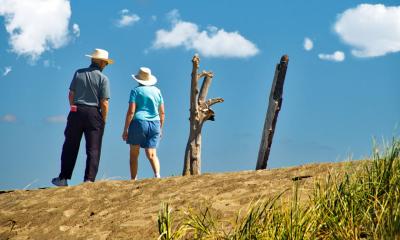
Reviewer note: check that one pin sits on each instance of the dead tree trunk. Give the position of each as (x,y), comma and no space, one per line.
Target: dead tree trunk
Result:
(200,111)
(274,106)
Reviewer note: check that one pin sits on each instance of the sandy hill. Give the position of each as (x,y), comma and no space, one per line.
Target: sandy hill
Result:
(129,209)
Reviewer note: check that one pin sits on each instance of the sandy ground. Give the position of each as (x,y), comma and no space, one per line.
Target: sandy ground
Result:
(128,209)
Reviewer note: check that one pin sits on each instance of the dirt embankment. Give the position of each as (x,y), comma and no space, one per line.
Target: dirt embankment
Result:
(128,209)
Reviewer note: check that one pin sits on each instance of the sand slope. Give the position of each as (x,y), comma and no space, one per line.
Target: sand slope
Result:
(128,209)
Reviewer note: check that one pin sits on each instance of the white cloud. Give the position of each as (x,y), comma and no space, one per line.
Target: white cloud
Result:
(50,64)
(154,18)
(181,34)
(337,56)
(57,119)
(8,118)
(46,63)
(7,70)
(76,30)
(36,26)
(224,44)
(372,30)
(308,44)
(212,29)
(173,16)
(211,43)
(127,19)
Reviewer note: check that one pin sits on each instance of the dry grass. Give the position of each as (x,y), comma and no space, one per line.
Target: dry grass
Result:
(345,205)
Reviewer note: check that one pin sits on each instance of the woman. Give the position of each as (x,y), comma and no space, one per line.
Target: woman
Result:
(144,121)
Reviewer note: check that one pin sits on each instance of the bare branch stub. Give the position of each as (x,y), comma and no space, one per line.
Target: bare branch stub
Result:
(208,76)
(202,74)
(196,61)
(213,101)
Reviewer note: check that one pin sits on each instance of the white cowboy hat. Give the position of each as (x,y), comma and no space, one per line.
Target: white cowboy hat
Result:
(100,54)
(144,77)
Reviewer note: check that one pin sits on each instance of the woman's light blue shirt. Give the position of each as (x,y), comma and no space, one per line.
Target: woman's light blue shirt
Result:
(147,99)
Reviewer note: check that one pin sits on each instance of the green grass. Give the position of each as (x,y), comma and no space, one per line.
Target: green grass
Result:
(165,228)
(361,204)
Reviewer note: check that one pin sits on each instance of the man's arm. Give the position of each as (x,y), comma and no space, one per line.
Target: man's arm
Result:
(71,95)
(104,108)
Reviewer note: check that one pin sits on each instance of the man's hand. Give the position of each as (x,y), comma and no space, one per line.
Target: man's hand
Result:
(71,95)
(104,109)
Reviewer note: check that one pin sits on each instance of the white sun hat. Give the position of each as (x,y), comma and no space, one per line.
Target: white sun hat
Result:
(100,54)
(144,77)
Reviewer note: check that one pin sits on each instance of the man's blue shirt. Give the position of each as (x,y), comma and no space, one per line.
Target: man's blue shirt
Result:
(90,85)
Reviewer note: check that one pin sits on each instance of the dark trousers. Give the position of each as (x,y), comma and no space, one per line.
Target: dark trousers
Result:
(86,120)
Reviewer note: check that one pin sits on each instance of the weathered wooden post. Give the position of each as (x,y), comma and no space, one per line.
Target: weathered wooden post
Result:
(200,112)
(274,106)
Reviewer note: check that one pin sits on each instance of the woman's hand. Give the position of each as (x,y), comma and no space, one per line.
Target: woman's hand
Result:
(128,119)
(125,135)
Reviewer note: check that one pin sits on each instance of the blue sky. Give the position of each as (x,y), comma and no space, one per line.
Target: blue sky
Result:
(341,89)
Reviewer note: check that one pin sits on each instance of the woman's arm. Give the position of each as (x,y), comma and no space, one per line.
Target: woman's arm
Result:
(129,116)
(161,111)
(162,114)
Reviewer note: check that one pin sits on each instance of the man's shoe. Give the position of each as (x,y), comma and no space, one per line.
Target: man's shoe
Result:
(59,182)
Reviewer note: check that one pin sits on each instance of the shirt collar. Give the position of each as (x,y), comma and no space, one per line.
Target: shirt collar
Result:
(94,65)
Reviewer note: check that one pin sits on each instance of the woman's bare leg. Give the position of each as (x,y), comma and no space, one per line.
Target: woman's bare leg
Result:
(151,154)
(133,157)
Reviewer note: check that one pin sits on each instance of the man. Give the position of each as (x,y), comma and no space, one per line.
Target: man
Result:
(88,98)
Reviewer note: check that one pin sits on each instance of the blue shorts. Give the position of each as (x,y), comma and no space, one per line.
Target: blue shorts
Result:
(144,133)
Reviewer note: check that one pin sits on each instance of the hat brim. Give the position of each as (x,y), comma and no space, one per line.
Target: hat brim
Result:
(109,61)
(151,81)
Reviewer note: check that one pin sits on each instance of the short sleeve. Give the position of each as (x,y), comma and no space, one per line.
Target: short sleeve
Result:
(161,99)
(132,97)
(105,89)
(72,86)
